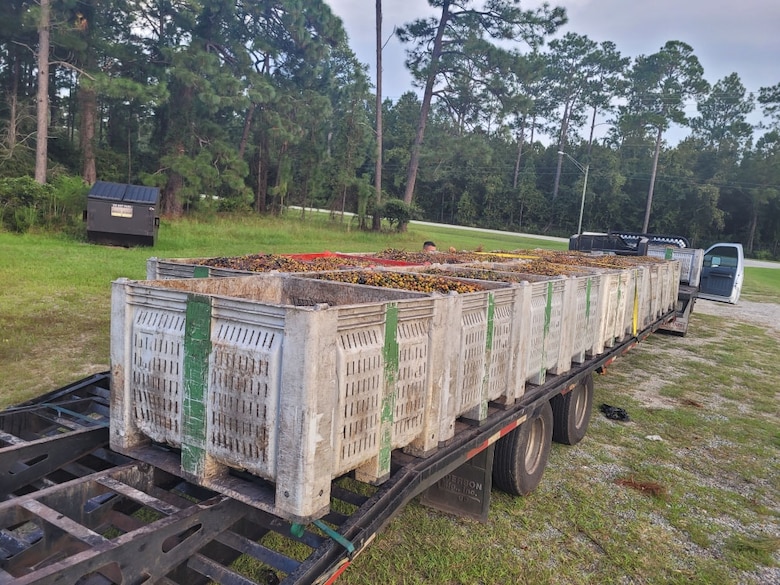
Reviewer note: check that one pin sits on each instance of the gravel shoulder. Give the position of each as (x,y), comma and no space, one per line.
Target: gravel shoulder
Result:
(765,315)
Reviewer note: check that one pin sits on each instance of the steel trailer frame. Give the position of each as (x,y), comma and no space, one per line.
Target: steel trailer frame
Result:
(73,511)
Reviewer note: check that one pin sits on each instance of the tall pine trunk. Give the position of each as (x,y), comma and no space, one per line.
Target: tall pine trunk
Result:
(88,109)
(752,229)
(376,223)
(42,100)
(414,159)
(13,103)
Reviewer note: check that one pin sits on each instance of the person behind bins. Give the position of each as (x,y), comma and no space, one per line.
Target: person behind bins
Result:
(429,246)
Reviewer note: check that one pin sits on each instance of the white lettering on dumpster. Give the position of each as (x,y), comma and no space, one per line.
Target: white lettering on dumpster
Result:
(118,210)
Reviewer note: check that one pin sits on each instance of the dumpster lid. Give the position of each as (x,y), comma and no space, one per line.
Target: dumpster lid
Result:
(124,192)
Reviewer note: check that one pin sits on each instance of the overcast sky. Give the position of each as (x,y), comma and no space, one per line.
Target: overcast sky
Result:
(727,36)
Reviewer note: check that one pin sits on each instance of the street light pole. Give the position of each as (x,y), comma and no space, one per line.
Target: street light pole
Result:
(582,201)
(585,170)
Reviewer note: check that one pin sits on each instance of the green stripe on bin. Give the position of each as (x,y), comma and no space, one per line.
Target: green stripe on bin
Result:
(548,309)
(391,358)
(200,272)
(197,348)
(491,311)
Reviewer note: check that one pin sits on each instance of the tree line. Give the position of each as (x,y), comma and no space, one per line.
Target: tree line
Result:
(253,106)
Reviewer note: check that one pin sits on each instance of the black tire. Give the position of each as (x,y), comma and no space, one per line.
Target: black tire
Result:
(521,456)
(571,412)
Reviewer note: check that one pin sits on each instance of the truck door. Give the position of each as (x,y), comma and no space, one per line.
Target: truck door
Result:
(722,273)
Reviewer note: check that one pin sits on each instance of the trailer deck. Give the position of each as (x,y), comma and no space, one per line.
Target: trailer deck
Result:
(74,511)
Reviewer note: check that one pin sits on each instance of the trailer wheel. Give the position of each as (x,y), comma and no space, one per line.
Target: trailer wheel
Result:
(521,456)
(571,412)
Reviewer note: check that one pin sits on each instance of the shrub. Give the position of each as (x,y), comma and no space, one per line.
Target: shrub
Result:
(22,202)
(399,213)
(25,204)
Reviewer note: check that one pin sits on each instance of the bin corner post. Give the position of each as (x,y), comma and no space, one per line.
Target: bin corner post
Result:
(152,271)
(602,330)
(436,384)
(124,434)
(480,410)
(587,316)
(307,403)
(523,322)
(538,377)
(568,327)
(452,306)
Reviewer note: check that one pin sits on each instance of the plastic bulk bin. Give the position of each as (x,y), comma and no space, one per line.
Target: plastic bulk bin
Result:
(482,351)
(480,332)
(158,269)
(674,280)
(293,380)
(609,300)
(586,325)
(488,271)
(690,260)
(663,288)
(544,328)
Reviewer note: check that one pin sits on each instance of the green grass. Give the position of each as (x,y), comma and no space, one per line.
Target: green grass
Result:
(761,284)
(711,396)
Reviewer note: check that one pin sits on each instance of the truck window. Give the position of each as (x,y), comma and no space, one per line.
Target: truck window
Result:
(721,256)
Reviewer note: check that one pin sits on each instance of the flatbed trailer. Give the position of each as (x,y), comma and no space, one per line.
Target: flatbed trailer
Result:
(74,511)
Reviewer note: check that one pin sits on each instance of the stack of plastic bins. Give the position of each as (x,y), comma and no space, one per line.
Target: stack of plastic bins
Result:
(615,302)
(611,304)
(559,315)
(478,338)
(293,380)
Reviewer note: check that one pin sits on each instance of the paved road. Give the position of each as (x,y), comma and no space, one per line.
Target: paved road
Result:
(761,264)
(487,231)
